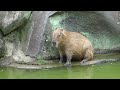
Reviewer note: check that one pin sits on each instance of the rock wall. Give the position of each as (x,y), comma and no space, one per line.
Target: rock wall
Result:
(26,35)
(10,23)
(23,34)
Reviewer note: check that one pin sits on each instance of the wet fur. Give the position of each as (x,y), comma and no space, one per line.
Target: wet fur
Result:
(72,44)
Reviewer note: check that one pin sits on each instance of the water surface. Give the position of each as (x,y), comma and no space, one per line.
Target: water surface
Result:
(102,71)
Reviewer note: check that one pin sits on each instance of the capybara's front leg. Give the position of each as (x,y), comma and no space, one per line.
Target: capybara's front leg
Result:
(69,57)
(68,61)
(61,57)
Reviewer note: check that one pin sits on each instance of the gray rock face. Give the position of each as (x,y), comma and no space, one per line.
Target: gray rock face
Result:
(2,48)
(11,20)
(32,34)
(39,21)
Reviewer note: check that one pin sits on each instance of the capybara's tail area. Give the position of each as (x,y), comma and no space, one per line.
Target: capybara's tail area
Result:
(89,54)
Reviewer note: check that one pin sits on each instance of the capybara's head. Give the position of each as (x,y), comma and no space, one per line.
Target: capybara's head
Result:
(57,36)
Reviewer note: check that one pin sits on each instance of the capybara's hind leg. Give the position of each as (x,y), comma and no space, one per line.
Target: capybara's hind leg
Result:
(84,60)
(69,57)
(88,56)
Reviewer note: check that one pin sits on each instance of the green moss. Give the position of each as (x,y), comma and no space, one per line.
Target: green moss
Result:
(22,34)
(27,14)
(42,61)
(57,18)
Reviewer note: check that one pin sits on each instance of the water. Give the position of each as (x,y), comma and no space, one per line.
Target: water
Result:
(102,71)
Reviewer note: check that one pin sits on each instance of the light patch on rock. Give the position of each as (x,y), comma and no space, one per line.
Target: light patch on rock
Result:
(17,55)
(9,48)
(1,43)
(20,56)
(10,17)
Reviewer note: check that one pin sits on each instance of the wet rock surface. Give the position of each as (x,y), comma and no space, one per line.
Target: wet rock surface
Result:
(98,59)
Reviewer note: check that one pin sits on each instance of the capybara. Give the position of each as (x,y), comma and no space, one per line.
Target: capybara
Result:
(72,44)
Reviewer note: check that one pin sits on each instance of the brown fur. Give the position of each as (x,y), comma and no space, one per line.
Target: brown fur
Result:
(72,44)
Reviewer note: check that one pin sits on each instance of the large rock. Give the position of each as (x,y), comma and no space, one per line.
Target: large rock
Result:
(11,20)
(33,35)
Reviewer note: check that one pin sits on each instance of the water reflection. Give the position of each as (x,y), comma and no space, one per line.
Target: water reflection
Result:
(80,72)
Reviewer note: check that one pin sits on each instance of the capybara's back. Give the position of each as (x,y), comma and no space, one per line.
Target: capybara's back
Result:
(72,44)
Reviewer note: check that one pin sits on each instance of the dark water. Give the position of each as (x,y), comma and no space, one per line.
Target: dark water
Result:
(102,71)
